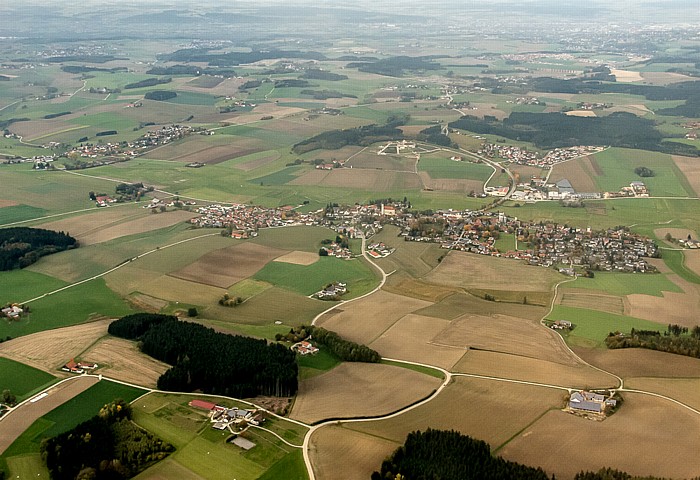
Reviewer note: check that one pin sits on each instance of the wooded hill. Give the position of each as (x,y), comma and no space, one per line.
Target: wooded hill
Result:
(209,361)
(22,246)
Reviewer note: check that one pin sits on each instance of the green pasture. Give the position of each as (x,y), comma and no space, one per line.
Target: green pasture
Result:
(626,283)
(19,213)
(194,98)
(505,243)
(76,410)
(305,239)
(21,285)
(22,380)
(290,467)
(69,307)
(591,327)
(675,260)
(618,166)
(312,365)
(438,166)
(308,279)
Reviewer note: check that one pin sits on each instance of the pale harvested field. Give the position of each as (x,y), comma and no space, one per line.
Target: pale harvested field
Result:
(692,260)
(276,110)
(147,303)
(364,320)
(626,76)
(374,180)
(681,233)
(580,113)
(639,362)
(39,128)
(7,203)
(603,303)
(258,162)
(459,304)
(685,390)
(166,470)
(226,266)
(199,149)
(642,432)
(691,169)
(335,449)
(51,349)
(384,389)
(488,410)
(101,227)
(664,78)
(298,258)
(412,339)
(505,334)
(121,359)
(671,308)
(491,273)
(483,109)
(578,172)
(405,285)
(516,367)
(13,424)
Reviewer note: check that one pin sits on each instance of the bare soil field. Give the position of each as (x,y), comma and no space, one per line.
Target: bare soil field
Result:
(226,266)
(258,162)
(384,388)
(373,180)
(506,334)
(298,258)
(675,233)
(364,320)
(691,169)
(505,365)
(121,359)
(102,227)
(671,308)
(580,113)
(578,172)
(457,304)
(639,362)
(684,390)
(604,303)
(337,445)
(479,271)
(41,128)
(413,338)
(692,260)
(626,76)
(453,185)
(16,422)
(464,406)
(402,284)
(664,78)
(7,203)
(622,440)
(51,349)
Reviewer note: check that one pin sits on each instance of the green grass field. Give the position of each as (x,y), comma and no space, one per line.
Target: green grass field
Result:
(626,283)
(438,166)
(291,467)
(592,327)
(618,164)
(22,380)
(312,365)
(308,279)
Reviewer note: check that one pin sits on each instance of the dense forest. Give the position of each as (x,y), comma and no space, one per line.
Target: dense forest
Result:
(336,139)
(316,74)
(149,82)
(612,474)
(22,246)
(343,349)
(674,340)
(552,130)
(449,455)
(160,95)
(108,446)
(395,66)
(209,361)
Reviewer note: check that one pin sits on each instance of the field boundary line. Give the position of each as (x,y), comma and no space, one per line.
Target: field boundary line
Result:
(278,436)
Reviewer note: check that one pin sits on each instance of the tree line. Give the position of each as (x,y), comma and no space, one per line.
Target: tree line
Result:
(212,362)
(345,350)
(22,246)
(674,340)
(108,446)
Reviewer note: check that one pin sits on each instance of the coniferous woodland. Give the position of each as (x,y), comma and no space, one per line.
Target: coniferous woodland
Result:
(22,246)
(108,446)
(209,361)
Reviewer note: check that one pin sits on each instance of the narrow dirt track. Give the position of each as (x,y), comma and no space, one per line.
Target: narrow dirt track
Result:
(14,423)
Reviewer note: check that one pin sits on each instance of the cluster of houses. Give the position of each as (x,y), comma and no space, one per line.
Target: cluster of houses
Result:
(635,189)
(561,325)
(332,291)
(590,402)
(78,367)
(336,250)
(223,418)
(245,220)
(379,250)
(13,311)
(525,157)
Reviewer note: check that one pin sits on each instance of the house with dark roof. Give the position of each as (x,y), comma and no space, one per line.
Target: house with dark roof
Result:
(588,402)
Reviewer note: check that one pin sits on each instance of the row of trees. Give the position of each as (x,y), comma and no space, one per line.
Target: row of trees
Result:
(22,246)
(209,361)
(674,340)
(108,446)
(343,349)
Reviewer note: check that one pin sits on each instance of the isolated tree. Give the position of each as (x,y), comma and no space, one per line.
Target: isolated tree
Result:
(8,398)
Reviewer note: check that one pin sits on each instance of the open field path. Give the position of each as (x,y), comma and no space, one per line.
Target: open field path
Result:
(20,418)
